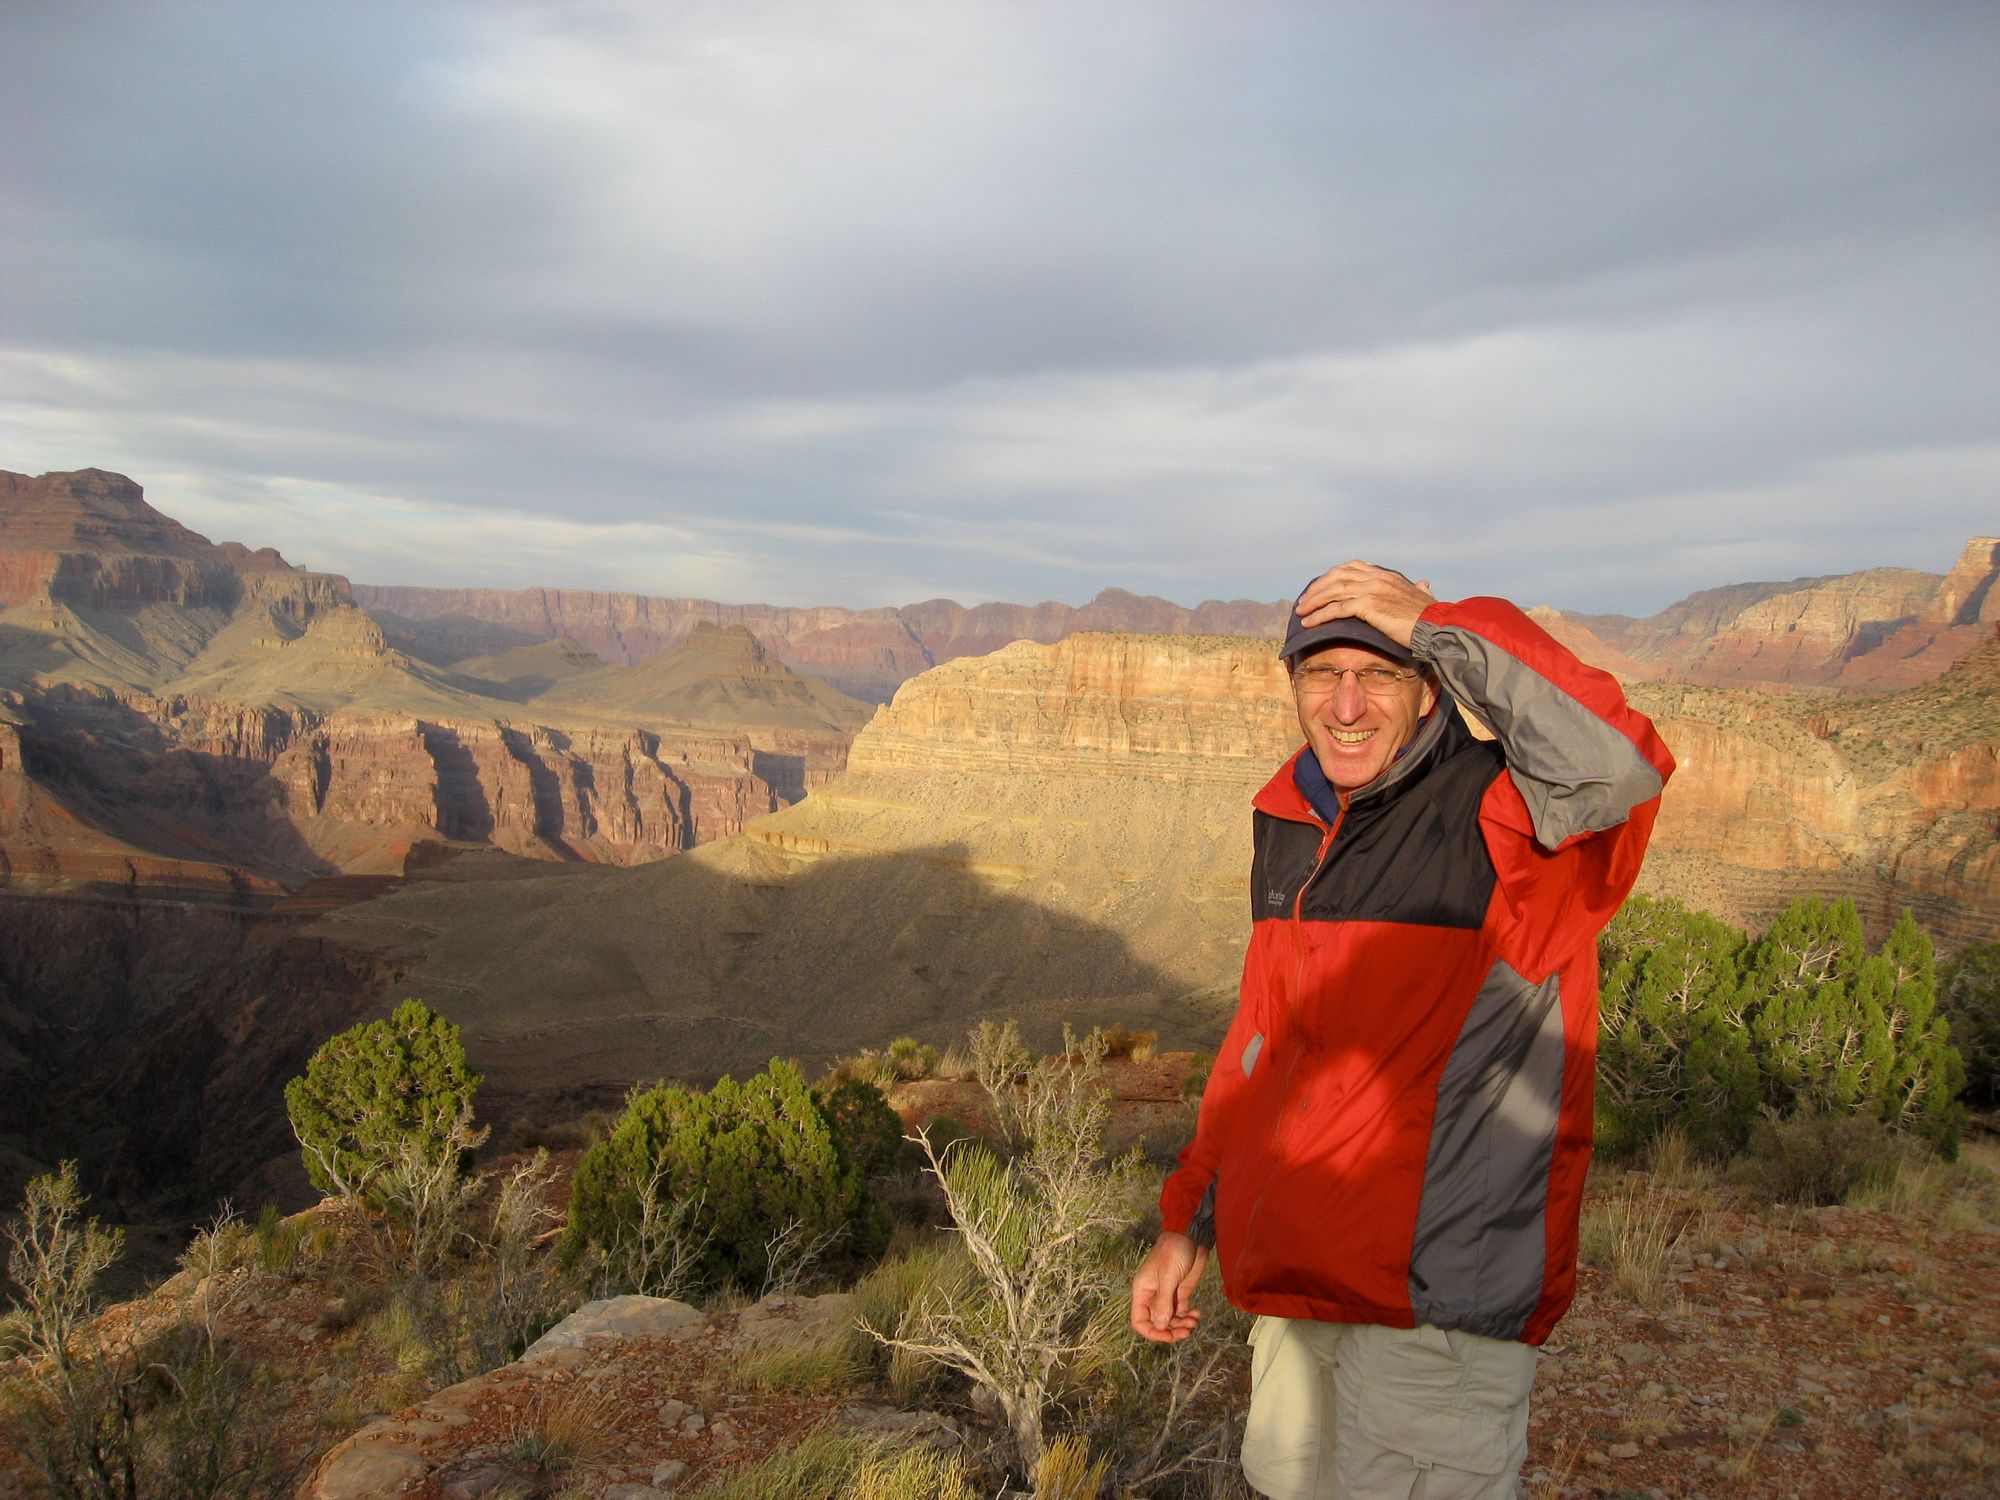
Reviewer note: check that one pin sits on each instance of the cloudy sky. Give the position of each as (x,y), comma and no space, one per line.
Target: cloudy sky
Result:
(861,304)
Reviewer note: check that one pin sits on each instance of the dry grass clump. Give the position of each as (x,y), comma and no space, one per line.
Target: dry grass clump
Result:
(1124,1042)
(1673,1162)
(829,1465)
(893,1295)
(905,1060)
(567,1428)
(821,1363)
(587,1129)
(1911,1184)
(1630,1234)
(1066,1471)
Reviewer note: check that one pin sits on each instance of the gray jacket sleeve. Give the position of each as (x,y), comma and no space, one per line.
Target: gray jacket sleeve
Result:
(1573,746)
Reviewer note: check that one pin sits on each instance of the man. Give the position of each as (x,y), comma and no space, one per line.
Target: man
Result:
(1391,1147)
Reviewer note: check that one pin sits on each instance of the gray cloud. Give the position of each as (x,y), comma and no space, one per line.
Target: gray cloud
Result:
(862,303)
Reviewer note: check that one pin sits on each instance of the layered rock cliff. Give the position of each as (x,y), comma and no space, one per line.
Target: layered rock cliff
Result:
(1884,628)
(1877,629)
(867,653)
(180,717)
(1891,799)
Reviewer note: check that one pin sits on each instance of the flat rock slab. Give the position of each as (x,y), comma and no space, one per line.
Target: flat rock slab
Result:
(612,1321)
(366,1471)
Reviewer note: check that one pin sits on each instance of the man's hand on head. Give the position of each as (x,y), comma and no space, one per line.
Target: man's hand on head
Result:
(1381,596)
(1163,1292)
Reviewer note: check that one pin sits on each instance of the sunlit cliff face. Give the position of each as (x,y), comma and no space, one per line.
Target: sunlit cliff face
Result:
(1354,734)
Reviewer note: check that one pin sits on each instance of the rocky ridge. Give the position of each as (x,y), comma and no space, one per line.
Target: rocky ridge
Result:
(867,653)
(1881,628)
(187,718)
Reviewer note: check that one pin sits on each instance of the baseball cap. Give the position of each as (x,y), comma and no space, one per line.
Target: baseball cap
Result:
(1344,630)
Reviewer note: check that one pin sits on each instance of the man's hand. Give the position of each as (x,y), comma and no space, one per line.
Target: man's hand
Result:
(1381,596)
(1163,1291)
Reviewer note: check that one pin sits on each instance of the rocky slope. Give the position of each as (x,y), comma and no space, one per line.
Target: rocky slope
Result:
(201,719)
(186,1022)
(1892,799)
(1733,1348)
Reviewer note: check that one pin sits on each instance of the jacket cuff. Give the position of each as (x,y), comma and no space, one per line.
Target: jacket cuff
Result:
(1201,1228)
(1182,1213)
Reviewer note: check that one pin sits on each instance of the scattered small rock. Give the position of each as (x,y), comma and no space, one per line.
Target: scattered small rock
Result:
(668,1471)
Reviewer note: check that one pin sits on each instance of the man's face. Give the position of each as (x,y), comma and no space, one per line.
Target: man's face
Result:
(1354,733)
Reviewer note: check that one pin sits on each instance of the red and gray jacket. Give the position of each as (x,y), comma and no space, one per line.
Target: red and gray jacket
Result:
(1398,1122)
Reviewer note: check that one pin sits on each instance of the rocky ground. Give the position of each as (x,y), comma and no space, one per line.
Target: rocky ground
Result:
(1717,1348)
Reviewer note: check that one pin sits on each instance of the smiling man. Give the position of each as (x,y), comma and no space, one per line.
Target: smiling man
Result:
(1390,1154)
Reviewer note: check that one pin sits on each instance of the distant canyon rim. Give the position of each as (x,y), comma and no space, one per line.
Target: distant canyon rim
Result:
(618,837)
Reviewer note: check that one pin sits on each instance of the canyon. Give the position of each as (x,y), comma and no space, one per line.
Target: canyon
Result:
(242,804)
(203,720)
(1061,830)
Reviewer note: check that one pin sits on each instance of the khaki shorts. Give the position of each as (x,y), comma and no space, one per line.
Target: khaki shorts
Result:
(1356,1412)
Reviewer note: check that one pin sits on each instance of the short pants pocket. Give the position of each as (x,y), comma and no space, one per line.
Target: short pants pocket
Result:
(1474,1442)
(1451,1400)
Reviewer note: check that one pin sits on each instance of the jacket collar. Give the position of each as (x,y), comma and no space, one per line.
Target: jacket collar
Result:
(1281,797)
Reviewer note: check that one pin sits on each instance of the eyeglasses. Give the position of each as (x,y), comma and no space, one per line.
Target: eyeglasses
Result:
(1376,682)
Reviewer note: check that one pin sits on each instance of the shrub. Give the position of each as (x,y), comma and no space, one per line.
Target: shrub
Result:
(381,1099)
(868,1130)
(756,1162)
(1838,1029)
(1672,1050)
(1814,1156)
(1703,1031)
(911,1059)
(1123,1042)
(1969,997)
(1043,1233)
(55,1258)
(177,1415)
